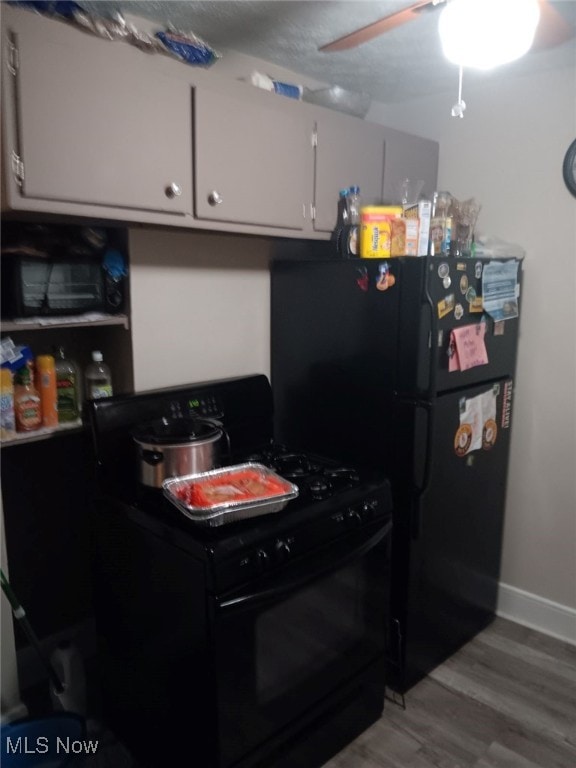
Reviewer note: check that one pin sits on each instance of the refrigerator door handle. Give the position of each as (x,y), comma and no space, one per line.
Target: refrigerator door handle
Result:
(433,357)
(423,432)
(422,460)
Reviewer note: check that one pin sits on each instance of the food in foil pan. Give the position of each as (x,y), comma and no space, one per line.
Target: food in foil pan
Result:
(230,493)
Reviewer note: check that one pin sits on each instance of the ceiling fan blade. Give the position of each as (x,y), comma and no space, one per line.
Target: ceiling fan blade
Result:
(370,31)
(553,29)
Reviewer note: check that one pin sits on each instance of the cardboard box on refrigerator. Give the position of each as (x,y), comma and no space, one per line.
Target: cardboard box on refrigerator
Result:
(422,211)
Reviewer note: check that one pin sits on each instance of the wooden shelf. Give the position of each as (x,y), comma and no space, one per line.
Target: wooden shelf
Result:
(63,322)
(44,433)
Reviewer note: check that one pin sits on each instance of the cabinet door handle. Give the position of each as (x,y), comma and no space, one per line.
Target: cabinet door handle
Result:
(215,198)
(174,190)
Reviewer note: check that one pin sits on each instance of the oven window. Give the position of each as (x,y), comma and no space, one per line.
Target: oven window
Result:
(310,631)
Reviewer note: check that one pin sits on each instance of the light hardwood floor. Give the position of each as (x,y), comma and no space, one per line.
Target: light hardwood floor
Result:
(505,700)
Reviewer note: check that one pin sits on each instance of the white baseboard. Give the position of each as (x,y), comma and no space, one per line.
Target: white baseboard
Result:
(537,612)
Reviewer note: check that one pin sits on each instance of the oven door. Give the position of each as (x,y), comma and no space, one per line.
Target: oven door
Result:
(291,641)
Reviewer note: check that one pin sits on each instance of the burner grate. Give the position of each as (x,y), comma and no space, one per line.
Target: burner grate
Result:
(316,477)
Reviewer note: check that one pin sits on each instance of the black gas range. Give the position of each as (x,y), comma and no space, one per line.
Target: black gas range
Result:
(250,636)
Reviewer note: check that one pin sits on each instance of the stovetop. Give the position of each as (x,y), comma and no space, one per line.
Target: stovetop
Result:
(317,477)
(333,498)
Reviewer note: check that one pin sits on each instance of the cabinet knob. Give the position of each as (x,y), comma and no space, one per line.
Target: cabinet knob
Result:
(215,198)
(174,190)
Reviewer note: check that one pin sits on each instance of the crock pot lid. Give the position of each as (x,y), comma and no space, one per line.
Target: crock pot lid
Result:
(170,430)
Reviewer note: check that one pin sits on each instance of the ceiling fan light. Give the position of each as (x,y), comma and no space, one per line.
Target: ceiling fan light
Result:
(483,34)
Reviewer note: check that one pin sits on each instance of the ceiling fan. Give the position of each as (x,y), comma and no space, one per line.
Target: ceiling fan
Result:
(553,29)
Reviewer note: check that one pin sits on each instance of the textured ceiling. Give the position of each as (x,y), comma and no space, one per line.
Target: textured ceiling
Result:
(403,64)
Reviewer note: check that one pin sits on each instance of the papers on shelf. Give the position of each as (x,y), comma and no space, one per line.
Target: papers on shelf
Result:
(87,317)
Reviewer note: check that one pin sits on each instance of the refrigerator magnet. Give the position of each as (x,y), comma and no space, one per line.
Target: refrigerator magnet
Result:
(476,304)
(451,348)
(446,305)
(489,434)
(464,284)
(478,270)
(463,439)
(443,270)
(362,278)
(506,404)
(385,278)
(461,266)
(458,311)
(447,282)
(499,327)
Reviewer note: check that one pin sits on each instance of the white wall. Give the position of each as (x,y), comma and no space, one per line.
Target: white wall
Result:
(507,152)
(200,306)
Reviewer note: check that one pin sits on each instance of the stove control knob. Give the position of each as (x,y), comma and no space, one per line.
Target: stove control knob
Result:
(369,507)
(353,516)
(262,560)
(281,551)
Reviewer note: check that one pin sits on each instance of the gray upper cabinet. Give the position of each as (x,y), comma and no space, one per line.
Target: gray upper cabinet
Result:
(348,152)
(99,129)
(408,157)
(252,157)
(97,122)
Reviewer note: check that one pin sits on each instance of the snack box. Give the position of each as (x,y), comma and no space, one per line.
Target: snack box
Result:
(422,211)
(228,494)
(412,232)
(376,231)
(398,237)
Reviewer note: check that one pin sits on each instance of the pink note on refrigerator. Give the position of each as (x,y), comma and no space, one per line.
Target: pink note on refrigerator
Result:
(467,347)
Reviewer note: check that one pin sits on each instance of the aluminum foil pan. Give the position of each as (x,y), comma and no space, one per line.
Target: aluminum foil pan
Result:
(226,495)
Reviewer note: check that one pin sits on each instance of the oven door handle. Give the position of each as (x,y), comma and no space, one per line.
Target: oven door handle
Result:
(248,600)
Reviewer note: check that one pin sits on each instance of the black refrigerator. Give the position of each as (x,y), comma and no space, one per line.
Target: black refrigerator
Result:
(407,365)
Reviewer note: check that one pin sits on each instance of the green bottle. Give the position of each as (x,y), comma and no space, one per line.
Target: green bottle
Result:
(67,388)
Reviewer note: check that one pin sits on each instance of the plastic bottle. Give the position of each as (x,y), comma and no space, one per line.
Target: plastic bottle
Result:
(46,375)
(351,231)
(27,408)
(7,422)
(98,378)
(341,220)
(67,387)
(26,359)
(354,205)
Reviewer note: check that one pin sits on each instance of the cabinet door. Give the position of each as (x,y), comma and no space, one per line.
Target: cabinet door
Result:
(99,122)
(348,152)
(252,158)
(409,157)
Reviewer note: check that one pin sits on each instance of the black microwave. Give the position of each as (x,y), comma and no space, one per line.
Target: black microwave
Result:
(46,285)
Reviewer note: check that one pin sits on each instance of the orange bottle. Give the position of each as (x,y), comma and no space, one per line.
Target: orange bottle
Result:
(46,373)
